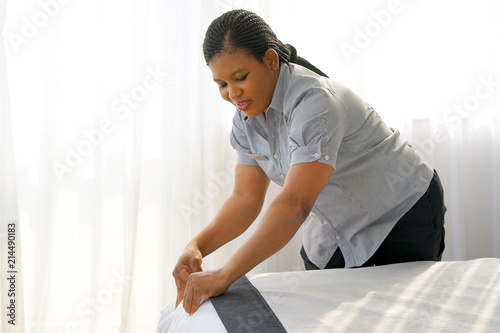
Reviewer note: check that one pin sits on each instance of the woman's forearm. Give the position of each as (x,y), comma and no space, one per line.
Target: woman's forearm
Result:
(234,217)
(278,226)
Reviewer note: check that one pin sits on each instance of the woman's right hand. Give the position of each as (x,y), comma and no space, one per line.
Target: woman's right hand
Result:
(189,262)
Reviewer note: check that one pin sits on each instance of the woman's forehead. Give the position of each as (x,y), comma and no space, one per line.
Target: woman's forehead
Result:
(227,63)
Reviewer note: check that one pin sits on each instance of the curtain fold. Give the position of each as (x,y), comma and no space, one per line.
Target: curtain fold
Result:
(131,202)
(114,141)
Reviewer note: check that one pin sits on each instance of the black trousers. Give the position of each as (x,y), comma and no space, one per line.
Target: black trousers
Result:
(417,236)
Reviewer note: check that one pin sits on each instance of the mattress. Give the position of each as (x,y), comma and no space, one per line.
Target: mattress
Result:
(451,296)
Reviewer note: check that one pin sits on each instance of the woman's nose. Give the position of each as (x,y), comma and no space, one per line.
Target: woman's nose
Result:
(234,92)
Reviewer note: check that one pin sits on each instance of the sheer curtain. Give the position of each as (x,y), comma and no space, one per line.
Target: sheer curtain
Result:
(114,141)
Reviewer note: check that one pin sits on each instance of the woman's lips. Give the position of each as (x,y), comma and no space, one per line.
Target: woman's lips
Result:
(243,105)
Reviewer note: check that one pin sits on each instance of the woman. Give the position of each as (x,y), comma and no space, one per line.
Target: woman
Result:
(364,195)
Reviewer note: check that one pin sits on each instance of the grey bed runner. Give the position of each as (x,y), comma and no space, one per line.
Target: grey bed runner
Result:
(242,309)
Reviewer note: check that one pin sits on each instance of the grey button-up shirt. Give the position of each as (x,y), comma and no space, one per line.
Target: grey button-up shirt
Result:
(377,176)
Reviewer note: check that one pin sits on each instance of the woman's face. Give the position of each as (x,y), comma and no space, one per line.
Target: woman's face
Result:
(244,81)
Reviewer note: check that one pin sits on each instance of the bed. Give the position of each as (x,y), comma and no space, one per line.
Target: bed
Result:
(450,296)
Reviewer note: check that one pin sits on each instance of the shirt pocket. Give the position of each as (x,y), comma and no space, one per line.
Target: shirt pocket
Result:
(257,157)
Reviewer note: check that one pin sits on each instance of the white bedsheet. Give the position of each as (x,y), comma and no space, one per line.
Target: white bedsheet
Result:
(177,320)
(457,296)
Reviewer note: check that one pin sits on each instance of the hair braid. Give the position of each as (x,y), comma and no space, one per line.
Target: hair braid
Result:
(242,29)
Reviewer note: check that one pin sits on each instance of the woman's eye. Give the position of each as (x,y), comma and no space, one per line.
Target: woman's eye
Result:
(242,78)
(222,85)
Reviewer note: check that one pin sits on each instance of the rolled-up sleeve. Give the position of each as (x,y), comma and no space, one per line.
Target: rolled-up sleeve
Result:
(239,141)
(317,127)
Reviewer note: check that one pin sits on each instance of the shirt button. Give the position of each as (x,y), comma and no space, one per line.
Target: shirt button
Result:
(276,156)
(316,155)
(325,222)
(338,237)
(282,176)
(327,157)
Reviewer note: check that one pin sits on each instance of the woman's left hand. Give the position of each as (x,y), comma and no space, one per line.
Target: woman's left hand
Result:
(202,285)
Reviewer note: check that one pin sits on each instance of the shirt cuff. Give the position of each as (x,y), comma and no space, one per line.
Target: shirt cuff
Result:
(307,154)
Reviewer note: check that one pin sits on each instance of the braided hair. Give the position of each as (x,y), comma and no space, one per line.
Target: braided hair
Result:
(242,29)
(294,58)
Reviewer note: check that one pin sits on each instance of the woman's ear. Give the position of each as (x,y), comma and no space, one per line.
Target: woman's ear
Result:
(271,59)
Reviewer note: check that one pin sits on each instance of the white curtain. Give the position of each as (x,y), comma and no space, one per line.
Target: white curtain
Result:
(115,143)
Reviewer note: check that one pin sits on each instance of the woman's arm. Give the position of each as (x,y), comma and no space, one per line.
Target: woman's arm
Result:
(238,211)
(284,217)
(234,217)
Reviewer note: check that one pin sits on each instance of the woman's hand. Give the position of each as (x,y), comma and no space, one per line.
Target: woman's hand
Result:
(203,285)
(188,263)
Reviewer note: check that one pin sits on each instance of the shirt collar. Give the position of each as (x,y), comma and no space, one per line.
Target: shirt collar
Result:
(280,88)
